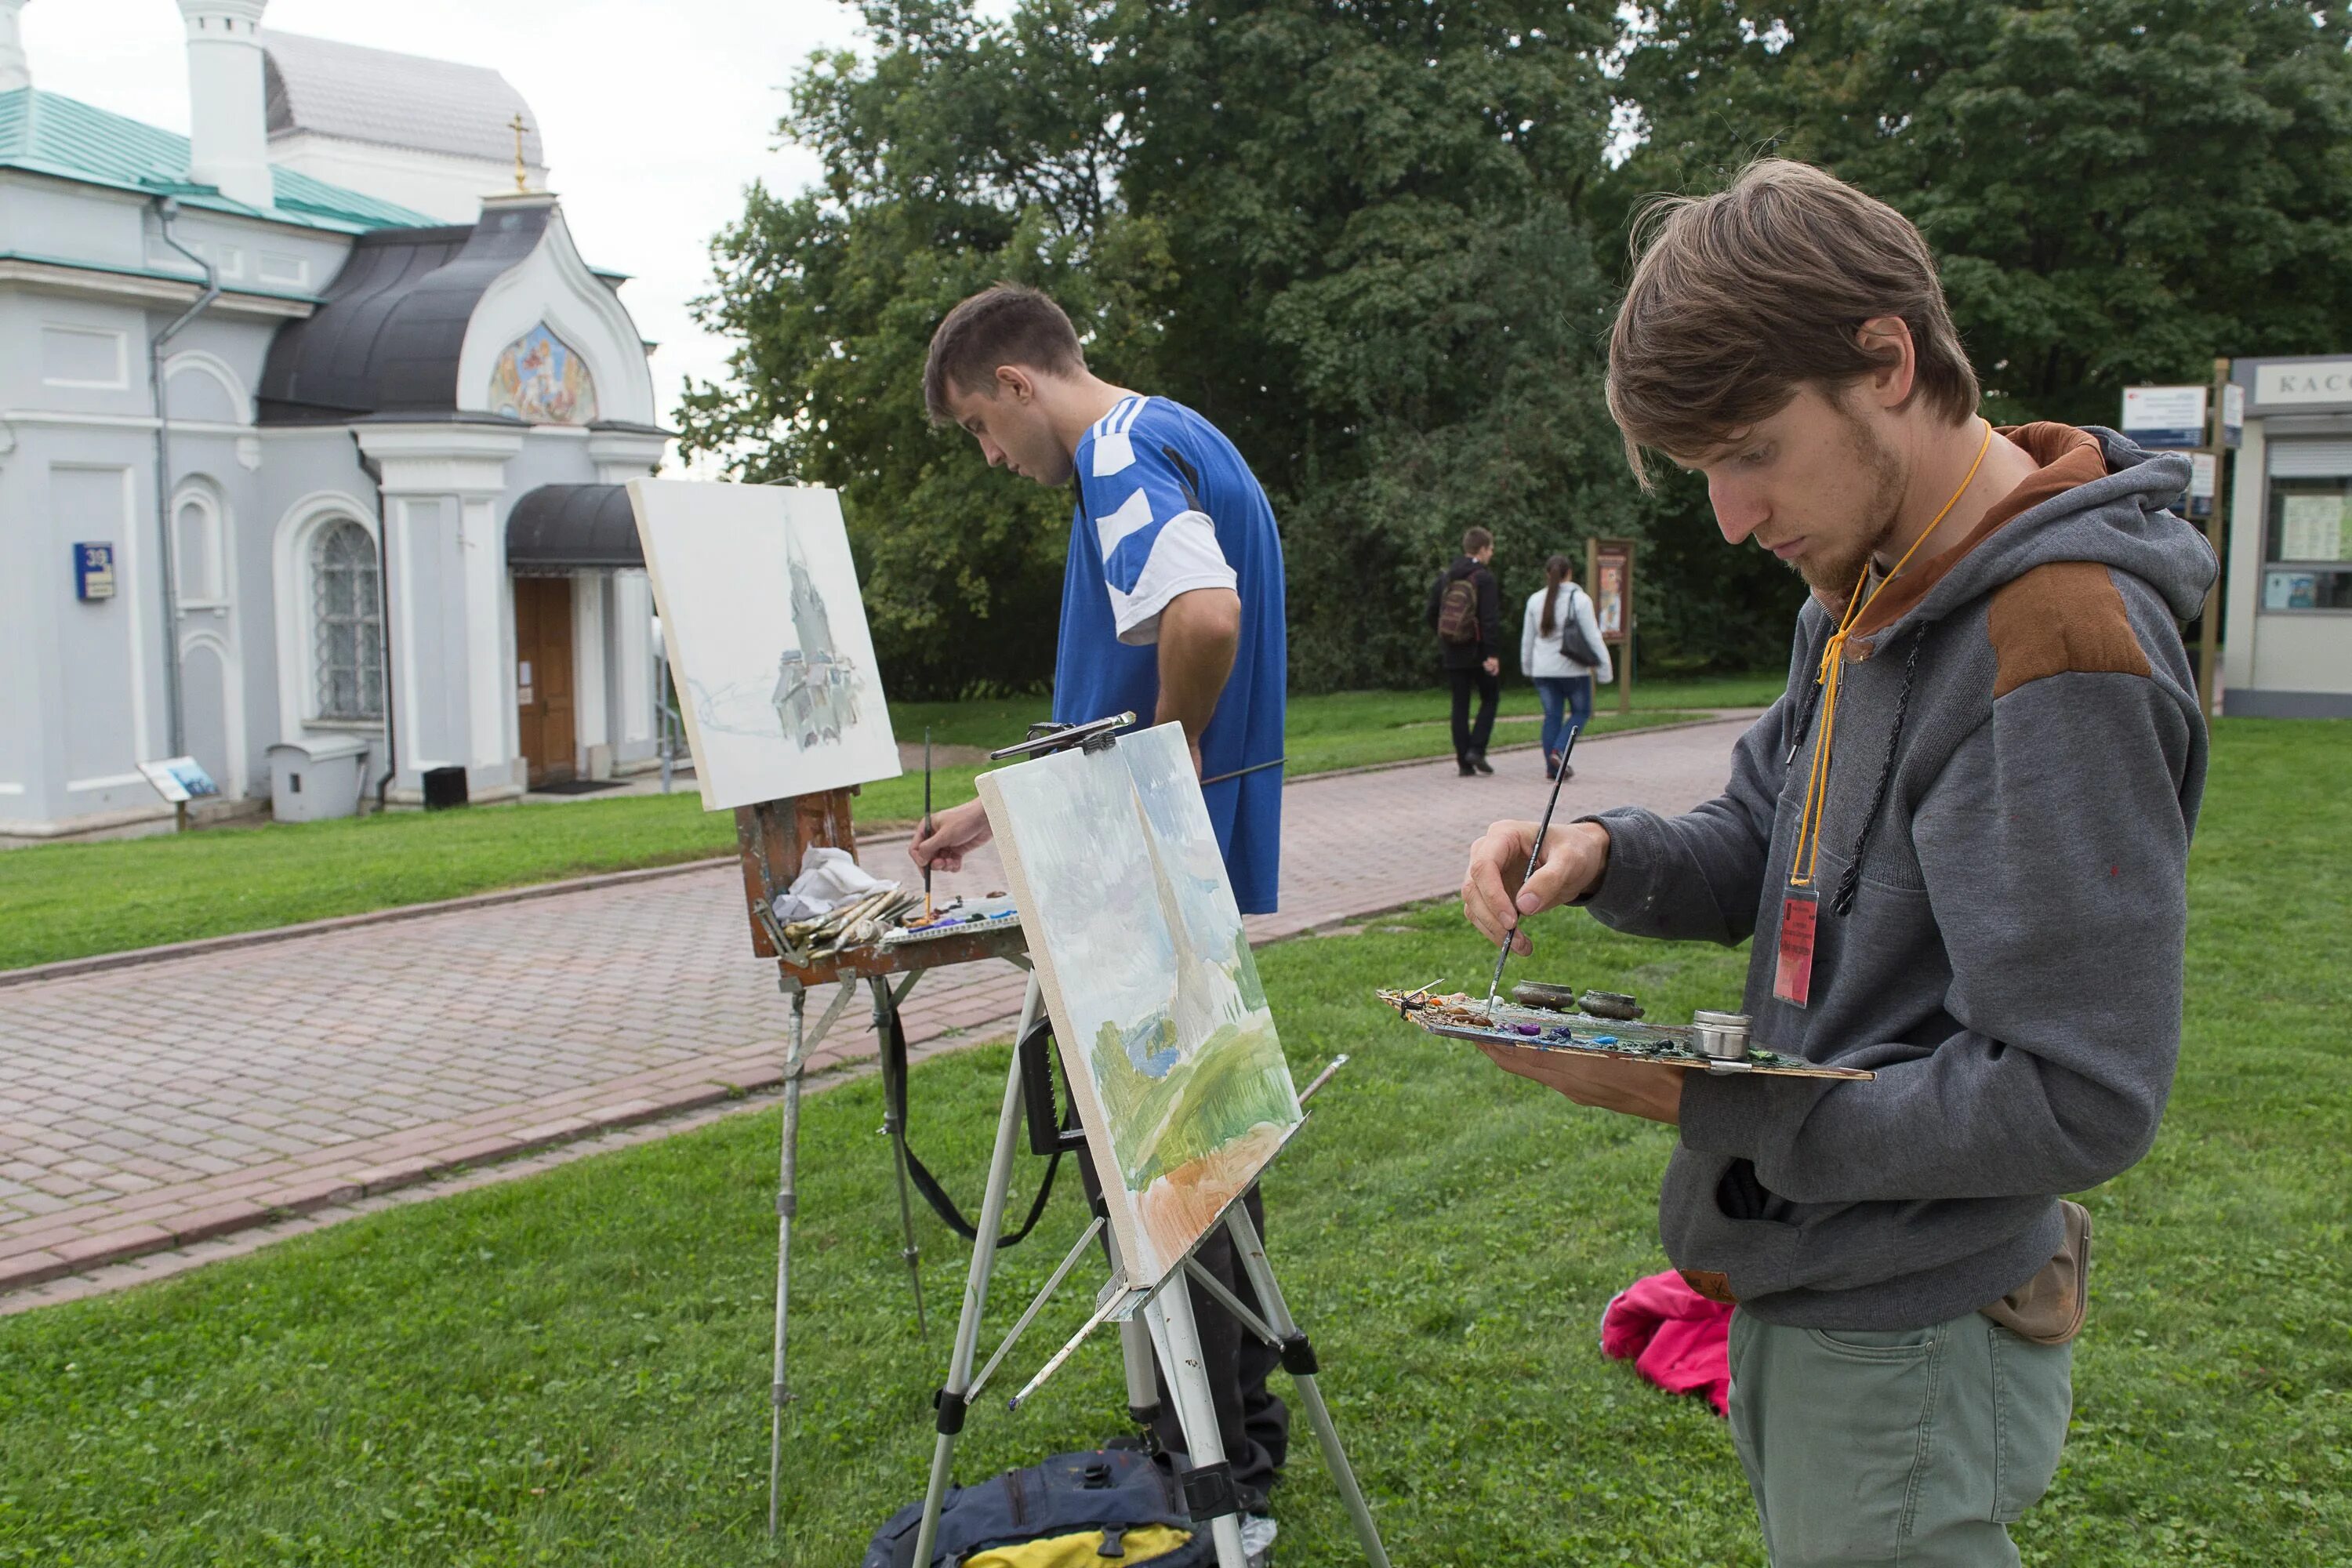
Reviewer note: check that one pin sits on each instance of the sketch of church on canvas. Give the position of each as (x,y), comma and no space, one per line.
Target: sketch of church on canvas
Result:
(817,687)
(767,638)
(1166,1035)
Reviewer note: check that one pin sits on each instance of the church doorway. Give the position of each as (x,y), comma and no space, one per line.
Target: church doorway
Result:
(543,677)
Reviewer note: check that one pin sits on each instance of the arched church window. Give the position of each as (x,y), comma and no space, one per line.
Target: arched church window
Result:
(540,381)
(347,622)
(196,552)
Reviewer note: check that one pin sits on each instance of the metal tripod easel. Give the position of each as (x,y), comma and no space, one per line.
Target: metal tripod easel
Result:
(1151,1317)
(771,838)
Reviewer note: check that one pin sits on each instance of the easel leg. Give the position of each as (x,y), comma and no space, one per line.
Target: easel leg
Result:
(1142,1383)
(797,1046)
(950,1400)
(1298,1359)
(1179,1338)
(787,1160)
(885,1010)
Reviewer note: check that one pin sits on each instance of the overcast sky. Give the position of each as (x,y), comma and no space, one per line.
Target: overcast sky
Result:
(655,113)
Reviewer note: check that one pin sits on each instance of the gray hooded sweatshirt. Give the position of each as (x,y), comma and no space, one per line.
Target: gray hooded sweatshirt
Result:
(2017,759)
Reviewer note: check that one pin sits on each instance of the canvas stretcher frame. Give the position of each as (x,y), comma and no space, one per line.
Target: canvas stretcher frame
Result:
(1125,898)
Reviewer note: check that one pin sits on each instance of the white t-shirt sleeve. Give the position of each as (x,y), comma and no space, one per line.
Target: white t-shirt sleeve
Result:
(1157,543)
(1184,554)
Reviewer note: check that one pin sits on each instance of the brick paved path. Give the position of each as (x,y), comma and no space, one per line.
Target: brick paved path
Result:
(152,1106)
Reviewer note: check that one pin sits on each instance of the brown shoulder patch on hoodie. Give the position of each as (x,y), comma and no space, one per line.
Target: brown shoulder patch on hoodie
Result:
(2060,616)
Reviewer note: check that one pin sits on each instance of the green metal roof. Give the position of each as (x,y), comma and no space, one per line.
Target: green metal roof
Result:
(49,133)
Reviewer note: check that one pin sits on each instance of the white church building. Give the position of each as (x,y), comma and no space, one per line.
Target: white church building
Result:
(312,426)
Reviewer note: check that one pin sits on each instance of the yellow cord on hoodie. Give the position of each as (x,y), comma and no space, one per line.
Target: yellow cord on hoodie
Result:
(1817,789)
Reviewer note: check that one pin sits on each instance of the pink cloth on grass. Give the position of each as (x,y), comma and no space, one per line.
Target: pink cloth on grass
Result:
(1674,1336)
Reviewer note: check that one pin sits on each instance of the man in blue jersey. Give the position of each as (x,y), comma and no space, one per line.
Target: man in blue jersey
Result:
(1172,609)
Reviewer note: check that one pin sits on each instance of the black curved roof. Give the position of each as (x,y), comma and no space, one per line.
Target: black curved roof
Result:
(386,336)
(572,526)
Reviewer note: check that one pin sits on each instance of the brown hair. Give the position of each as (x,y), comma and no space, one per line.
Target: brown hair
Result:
(1008,324)
(1474,539)
(1556,571)
(1740,297)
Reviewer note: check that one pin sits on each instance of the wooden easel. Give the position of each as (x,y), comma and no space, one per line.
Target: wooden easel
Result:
(771,839)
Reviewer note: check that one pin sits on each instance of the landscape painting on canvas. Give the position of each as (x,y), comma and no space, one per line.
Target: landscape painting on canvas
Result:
(767,638)
(1165,1029)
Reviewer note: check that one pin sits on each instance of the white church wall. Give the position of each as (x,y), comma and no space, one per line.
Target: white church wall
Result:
(445,497)
(310,479)
(61,356)
(102,699)
(250,253)
(28,605)
(45,217)
(445,187)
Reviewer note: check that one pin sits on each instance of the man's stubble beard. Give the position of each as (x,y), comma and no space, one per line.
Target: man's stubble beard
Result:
(1836,576)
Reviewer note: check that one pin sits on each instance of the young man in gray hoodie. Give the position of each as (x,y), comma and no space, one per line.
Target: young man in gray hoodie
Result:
(1959,840)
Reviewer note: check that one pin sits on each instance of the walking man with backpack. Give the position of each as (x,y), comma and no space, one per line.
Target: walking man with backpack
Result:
(1561,652)
(1466,611)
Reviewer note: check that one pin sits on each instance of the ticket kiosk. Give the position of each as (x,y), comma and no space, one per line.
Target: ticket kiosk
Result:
(2287,648)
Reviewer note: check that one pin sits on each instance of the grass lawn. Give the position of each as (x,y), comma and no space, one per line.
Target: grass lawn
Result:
(573,1367)
(68,901)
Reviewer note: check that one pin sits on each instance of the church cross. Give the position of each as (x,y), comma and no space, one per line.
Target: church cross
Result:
(522,181)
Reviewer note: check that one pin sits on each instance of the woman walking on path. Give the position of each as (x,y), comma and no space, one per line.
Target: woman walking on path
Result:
(1559,619)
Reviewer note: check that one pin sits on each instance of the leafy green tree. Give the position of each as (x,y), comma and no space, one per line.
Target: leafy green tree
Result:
(1348,234)
(2118,189)
(959,152)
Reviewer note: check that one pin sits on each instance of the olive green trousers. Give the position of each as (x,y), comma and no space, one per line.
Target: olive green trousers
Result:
(1916,1447)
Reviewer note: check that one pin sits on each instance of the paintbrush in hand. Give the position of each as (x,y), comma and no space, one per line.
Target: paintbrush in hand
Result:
(1534,858)
(927,821)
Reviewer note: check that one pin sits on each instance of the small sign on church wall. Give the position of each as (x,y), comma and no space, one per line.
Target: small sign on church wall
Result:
(93,570)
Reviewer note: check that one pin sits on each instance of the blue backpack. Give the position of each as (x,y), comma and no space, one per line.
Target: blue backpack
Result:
(1092,1509)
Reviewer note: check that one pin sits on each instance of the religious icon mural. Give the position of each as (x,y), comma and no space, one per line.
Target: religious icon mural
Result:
(540,381)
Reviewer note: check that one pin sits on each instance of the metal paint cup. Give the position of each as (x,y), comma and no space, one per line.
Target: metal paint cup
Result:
(1722,1036)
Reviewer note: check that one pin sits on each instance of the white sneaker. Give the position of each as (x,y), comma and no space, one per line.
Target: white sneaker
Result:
(1257,1538)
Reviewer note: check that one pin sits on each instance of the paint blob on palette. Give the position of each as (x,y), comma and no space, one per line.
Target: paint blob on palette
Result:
(1163,1028)
(962,918)
(1458,1017)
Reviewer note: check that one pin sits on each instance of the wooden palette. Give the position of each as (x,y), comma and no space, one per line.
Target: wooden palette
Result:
(1458,1017)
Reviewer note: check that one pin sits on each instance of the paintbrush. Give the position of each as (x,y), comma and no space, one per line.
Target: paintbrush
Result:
(1534,858)
(927,821)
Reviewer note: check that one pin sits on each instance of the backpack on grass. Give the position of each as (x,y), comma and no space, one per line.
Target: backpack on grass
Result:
(1099,1509)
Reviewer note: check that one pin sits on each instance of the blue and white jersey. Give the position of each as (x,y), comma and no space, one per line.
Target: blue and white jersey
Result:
(1165,505)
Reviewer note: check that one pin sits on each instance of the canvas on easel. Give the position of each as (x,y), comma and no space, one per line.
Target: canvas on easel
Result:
(1166,1037)
(767,638)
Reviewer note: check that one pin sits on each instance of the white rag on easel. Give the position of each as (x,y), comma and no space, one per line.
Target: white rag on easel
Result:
(828,880)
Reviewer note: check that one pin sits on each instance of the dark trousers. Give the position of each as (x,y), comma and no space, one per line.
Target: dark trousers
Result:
(1470,740)
(1252,1423)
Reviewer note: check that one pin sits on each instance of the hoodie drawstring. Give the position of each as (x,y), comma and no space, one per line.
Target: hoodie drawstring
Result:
(1806,860)
(1842,900)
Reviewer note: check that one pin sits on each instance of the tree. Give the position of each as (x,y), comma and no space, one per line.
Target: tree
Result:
(2118,190)
(1350,236)
(961,152)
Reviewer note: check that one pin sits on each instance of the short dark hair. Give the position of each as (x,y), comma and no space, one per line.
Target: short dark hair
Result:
(1740,297)
(1474,540)
(1009,324)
